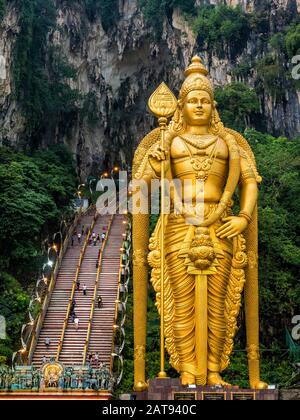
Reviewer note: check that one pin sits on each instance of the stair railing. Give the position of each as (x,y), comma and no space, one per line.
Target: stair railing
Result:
(40,320)
(116,326)
(82,253)
(96,287)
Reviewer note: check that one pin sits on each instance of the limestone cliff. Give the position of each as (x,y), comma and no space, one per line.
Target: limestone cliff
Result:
(119,67)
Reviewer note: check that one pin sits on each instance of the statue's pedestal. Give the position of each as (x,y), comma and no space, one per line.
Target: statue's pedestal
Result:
(171,389)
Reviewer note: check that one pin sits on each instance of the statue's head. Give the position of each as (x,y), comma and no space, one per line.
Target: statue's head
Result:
(196,104)
(197,108)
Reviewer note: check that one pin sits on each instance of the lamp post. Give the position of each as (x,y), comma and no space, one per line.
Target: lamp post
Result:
(90,185)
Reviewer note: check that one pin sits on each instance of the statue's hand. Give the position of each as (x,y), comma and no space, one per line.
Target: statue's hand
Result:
(234,226)
(156,157)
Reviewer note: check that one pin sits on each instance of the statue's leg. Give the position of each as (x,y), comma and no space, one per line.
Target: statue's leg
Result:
(217,288)
(183,292)
(183,288)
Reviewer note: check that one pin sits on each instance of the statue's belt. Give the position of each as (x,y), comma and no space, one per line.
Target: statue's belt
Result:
(183,247)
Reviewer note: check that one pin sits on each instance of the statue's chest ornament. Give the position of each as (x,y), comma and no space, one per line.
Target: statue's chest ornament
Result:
(201,166)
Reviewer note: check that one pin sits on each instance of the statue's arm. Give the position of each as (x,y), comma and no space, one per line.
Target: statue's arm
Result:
(248,190)
(235,225)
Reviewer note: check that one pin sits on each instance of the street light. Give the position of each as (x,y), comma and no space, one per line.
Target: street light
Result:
(78,190)
(115,169)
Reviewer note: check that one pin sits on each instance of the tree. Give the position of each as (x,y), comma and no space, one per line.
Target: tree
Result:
(222,28)
(35,192)
(237,104)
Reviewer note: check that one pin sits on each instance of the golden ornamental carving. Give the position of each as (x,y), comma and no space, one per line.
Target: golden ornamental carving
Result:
(253,259)
(51,374)
(140,258)
(253,352)
(202,252)
(139,352)
(162,102)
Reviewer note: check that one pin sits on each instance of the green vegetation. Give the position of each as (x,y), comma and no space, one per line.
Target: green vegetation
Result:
(155,11)
(35,192)
(272,76)
(292,40)
(40,73)
(279,163)
(236,104)
(2,9)
(13,306)
(222,29)
(108,10)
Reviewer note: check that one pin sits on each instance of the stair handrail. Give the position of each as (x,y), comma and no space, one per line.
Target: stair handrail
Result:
(116,307)
(96,287)
(82,253)
(40,320)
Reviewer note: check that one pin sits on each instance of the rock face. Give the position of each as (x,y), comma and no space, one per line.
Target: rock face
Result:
(121,67)
(12,124)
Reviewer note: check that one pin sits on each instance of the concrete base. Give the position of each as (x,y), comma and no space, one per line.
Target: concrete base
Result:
(171,389)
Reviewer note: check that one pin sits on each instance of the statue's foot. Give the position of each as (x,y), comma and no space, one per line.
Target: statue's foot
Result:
(259,385)
(214,379)
(188,379)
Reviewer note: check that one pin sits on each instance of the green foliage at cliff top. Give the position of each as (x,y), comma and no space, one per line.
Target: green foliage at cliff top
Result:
(219,26)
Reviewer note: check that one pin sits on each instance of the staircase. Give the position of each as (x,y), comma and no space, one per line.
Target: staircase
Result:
(103,320)
(74,341)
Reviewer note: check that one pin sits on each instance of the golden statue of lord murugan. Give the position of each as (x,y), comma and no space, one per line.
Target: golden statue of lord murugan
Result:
(210,255)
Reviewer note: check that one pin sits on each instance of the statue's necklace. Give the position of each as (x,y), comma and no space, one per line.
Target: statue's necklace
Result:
(193,140)
(202,167)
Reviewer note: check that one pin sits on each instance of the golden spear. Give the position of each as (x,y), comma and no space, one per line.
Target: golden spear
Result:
(162,104)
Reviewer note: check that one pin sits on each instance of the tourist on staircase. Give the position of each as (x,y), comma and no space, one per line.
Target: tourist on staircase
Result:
(47,342)
(76,322)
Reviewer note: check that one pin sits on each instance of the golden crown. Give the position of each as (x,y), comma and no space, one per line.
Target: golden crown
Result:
(196,79)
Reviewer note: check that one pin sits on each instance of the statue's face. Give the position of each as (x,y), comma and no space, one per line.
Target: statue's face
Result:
(197,108)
